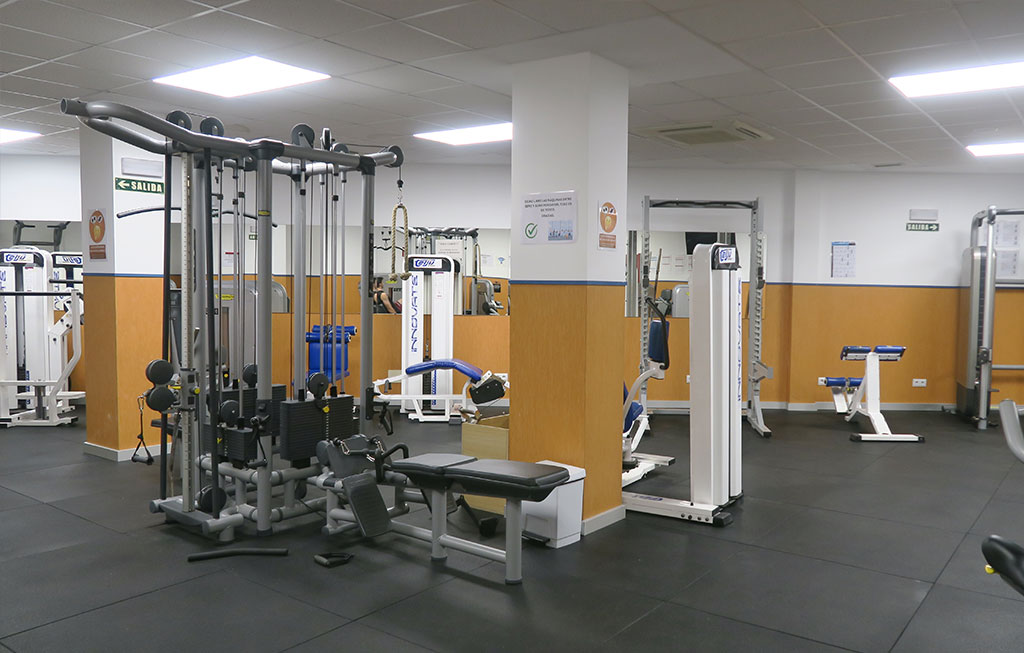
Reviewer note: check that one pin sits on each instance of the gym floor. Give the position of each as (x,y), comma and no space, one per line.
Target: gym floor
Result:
(836,545)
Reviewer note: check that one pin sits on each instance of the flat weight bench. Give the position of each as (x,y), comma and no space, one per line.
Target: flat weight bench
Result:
(437,474)
(482,387)
(861,396)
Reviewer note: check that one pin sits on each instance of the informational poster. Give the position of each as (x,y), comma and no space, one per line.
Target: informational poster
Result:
(607,218)
(98,238)
(549,218)
(453,248)
(1007,263)
(1007,233)
(844,260)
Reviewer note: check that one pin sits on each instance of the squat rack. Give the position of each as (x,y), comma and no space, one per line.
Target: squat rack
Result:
(757,370)
(199,372)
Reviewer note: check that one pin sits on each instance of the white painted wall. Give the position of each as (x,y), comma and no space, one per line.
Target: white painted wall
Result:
(804,211)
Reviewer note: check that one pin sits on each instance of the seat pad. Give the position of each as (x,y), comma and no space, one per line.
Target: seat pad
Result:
(472,371)
(510,479)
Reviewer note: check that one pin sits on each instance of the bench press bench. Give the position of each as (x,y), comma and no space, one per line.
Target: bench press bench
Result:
(435,475)
(855,396)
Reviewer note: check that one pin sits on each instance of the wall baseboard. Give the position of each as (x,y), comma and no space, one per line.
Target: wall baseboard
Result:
(606,518)
(118,455)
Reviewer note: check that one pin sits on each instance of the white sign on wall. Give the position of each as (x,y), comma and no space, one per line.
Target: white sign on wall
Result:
(548,218)
(844,260)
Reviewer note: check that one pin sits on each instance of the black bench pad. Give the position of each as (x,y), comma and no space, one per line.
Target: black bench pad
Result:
(510,479)
(427,470)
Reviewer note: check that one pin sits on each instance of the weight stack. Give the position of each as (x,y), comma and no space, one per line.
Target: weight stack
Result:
(303,424)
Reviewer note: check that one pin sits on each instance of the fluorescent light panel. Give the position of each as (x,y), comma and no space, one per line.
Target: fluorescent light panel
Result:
(12,135)
(996,149)
(501,131)
(965,80)
(242,77)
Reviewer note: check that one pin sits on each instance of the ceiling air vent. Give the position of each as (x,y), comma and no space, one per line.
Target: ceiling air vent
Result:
(706,133)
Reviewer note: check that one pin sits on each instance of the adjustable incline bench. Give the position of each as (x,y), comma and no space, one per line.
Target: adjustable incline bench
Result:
(434,476)
(481,387)
(861,395)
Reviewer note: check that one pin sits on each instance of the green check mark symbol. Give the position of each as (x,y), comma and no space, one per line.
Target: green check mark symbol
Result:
(531,230)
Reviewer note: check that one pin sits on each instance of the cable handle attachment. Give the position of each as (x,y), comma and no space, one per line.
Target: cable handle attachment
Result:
(395,276)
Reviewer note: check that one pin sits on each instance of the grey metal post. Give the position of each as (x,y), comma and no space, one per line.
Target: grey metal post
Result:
(367,168)
(988,294)
(299,287)
(188,423)
(237,243)
(631,276)
(513,542)
(19,321)
(264,274)
(644,288)
(341,258)
(438,524)
(757,370)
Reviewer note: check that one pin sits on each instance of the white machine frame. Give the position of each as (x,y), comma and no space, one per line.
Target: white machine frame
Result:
(716,373)
(35,352)
(866,399)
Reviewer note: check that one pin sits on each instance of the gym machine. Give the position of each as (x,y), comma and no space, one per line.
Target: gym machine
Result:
(977,319)
(716,334)
(42,305)
(1004,557)
(228,433)
(757,369)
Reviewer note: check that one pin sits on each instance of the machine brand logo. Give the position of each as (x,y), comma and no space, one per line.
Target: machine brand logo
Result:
(727,255)
(427,264)
(414,313)
(97,226)
(14,257)
(68,260)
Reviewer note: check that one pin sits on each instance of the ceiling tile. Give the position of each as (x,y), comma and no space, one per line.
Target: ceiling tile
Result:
(794,117)
(340,90)
(827,128)
(993,17)
(789,49)
(722,86)
(404,79)
(911,134)
(926,60)
(679,5)
(893,122)
(402,105)
(902,32)
(830,141)
(834,12)
(987,132)
(873,109)
(1001,112)
(568,15)
(732,20)
(104,59)
(765,102)
(317,17)
(40,88)
(397,42)
(472,67)
(404,8)
(54,117)
(663,93)
(65,22)
(17,122)
(472,98)
(10,62)
(327,57)
(871,153)
(980,101)
(168,47)
(34,44)
(1005,49)
(22,101)
(151,13)
(236,32)
(849,93)
(456,119)
(696,110)
(480,25)
(76,76)
(824,73)
(642,119)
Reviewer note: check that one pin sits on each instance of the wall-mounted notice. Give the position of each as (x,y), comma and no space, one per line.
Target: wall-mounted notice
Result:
(1007,233)
(844,260)
(548,218)
(1007,263)
(607,218)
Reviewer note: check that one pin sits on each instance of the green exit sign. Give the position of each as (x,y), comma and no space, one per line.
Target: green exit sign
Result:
(138,185)
(922,226)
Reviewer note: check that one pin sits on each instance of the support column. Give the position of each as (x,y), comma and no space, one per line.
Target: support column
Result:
(122,272)
(568,271)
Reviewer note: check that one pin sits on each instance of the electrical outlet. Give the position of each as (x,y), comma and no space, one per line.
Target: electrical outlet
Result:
(920,383)
(821,380)
(687,380)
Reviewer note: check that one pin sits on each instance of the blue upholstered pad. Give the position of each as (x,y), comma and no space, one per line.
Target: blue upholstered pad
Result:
(472,371)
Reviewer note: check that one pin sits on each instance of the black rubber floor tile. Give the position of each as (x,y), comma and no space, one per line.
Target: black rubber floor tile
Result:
(1012,487)
(46,587)
(544,614)
(787,485)
(960,470)
(1001,517)
(935,503)
(40,528)
(357,637)
(677,628)
(118,510)
(752,520)
(799,456)
(219,611)
(89,477)
(11,499)
(654,557)
(953,619)
(966,570)
(890,547)
(824,601)
(25,449)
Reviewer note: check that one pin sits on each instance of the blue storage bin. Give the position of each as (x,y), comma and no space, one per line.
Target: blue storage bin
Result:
(337,368)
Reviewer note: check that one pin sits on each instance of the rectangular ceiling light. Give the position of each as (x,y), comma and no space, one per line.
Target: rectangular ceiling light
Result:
(996,149)
(12,135)
(242,77)
(501,131)
(965,80)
